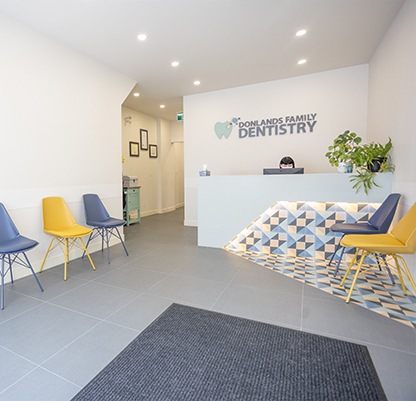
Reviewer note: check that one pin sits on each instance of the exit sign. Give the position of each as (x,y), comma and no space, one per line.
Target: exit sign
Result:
(179,116)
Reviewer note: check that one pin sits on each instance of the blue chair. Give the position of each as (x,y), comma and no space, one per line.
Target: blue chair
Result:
(379,223)
(105,226)
(12,244)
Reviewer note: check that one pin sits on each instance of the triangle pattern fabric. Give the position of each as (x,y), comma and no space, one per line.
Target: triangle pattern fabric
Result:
(294,239)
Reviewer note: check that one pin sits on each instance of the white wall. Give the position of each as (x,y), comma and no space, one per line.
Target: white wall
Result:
(392,102)
(338,97)
(177,131)
(392,98)
(60,131)
(161,178)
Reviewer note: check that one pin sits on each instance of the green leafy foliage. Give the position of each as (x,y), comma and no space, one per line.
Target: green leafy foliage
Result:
(368,159)
(344,149)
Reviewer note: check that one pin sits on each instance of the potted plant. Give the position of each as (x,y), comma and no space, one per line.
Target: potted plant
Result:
(378,156)
(373,158)
(344,151)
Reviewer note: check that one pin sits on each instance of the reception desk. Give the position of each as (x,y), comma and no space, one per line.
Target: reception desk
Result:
(227,204)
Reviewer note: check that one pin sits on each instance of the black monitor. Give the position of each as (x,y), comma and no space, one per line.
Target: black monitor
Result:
(294,170)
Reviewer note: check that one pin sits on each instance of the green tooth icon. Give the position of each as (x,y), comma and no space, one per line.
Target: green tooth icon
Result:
(223,129)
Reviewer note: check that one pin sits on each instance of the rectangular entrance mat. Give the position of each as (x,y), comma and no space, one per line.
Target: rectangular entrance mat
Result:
(191,354)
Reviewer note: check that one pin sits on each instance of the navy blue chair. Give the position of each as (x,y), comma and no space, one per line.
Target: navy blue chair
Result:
(379,223)
(12,246)
(105,226)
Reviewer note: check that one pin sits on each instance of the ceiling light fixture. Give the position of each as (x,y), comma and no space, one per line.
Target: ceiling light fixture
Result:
(142,37)
(301,32)
(303,61)
(136,94)
(174,63)
(196,83)
(162,106)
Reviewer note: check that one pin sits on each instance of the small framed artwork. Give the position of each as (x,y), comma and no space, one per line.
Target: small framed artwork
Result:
(144,144)
(134,149)
(153,151)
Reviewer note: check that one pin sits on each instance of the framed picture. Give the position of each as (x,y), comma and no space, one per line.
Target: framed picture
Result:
(144,144)
(134,149)
(153,151)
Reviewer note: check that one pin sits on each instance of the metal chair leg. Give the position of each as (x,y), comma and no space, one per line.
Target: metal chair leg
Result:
(11,269)
(339,261)
(122,242)
(2,283)
(107,240)
(33,272)
(88,255)
(46,255)
(356,276)
(353,260)
(388,269)
(336,250)
(88,242)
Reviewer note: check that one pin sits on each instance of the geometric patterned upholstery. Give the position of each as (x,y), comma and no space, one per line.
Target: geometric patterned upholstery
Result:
(373,291)
(294,239)
(300,228)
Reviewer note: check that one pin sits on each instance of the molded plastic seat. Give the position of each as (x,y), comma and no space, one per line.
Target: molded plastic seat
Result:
(379,223)
(104,225)
(12,244)
(59,222)
(401,240)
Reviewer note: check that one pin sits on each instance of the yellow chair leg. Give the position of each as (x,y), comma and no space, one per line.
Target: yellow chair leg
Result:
(356,276)
(399,273)
(407,272)
(46,255)
(86,252)
(349,267)
(66,256)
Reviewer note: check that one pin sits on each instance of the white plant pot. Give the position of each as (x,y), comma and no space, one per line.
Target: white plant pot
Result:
(344,167)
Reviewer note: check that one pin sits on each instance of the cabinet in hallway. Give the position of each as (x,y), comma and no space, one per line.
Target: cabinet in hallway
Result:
(131,202)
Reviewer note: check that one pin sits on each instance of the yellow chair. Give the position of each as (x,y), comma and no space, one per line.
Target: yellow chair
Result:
(59,222)
(401,240)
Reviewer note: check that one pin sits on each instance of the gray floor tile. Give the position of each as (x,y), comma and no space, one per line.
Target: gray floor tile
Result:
(138,280)
(260,277)
(84,358)
(14,368)
(141,312)
(42,331)
(348,321)
(397,372)
(53,285)
(310,291)
(76,268)
(189,290)
(159,261)
(40,385)
(15,304)
(209,269)
(96,299)
(261,305)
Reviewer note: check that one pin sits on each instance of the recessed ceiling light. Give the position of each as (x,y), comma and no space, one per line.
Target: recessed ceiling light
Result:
(301,32)
(174,63)
(136,94)
(303,61)
(142,36)
(196,83)
(162,106)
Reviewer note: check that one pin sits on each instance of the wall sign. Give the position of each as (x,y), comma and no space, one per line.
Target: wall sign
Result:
(292,124)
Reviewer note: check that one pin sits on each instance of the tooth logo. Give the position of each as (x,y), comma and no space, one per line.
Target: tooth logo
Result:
(224,129)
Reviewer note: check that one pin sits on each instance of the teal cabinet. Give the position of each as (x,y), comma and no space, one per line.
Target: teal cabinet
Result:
(131,202)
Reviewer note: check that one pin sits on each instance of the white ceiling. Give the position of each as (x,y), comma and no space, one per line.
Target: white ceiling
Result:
(222,43)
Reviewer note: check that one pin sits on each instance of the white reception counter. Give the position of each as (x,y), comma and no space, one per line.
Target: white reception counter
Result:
(227,204)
